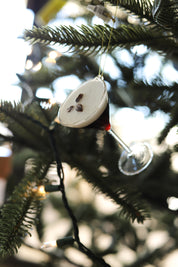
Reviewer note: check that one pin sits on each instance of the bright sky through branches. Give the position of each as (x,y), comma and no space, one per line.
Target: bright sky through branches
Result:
(13,20)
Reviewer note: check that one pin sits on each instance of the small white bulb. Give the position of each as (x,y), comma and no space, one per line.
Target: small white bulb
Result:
(49,244)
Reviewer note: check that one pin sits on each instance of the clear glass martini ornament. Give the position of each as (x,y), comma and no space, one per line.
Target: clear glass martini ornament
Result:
(88,106)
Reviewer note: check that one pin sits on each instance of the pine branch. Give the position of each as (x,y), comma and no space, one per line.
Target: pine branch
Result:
(165,14)
(18,214)
(6,138)
(32,118)
(78,155)
(150,256)
(23,123)
(173,122)
(154,95)
(94,39)
(126,196)
(162,13)
(141,8)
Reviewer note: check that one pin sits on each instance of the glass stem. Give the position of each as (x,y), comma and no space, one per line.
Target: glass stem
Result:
(119,140)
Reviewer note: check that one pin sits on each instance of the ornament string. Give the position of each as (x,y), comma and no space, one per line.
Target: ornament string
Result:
(101,68)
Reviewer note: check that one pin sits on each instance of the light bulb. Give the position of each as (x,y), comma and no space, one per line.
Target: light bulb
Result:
(52,101)
(49,244)
(39,190)
(63,242)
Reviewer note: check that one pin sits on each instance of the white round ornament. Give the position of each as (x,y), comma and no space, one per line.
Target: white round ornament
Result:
(84,105)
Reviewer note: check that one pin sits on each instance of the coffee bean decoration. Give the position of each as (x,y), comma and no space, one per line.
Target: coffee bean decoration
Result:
(70,108)
(79,97)
(79,107)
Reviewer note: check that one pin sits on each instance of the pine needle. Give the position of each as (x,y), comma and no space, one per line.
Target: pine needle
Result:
(18,214)
(88,39)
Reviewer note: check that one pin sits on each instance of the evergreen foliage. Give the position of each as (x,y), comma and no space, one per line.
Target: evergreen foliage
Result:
(165,15)
(142,8)
(90,39)
(29,129)
(93,39)
(19,213)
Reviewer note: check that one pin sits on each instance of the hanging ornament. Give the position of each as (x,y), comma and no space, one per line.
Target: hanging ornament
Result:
(101,12)
(88,107)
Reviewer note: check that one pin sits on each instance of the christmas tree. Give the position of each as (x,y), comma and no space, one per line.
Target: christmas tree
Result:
(76,166)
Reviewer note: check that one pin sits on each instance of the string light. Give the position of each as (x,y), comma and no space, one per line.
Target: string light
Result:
(66,241)
(52,101)
(52,188)
(37,67)
(29,64)
(172,203)
(50,60)
(49,244)
(42,190)
(54,54)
